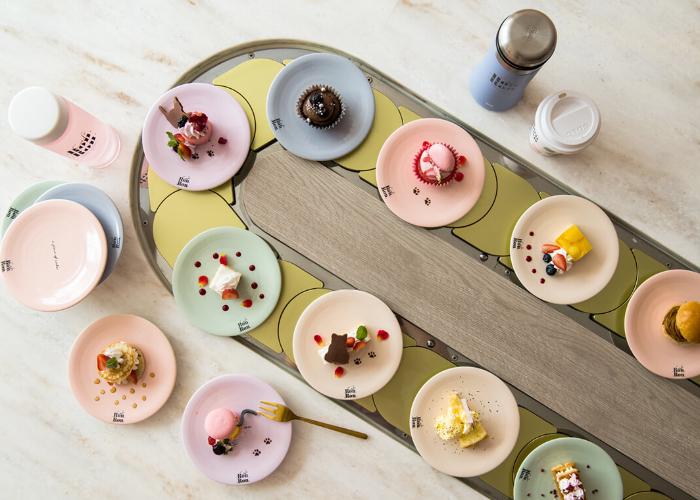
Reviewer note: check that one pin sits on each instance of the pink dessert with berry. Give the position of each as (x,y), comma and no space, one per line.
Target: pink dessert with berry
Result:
(438,163)
(192,129)
(223,426)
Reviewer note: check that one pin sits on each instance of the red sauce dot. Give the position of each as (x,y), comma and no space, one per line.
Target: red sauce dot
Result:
(534,270)
(247,303)
(253,285)
(215,256)
(528,258)
(261,296)
(202,291)
(225,307)
(529,247)
(532,233)
(542,281)
(197,264)
(238,254)
(251,267)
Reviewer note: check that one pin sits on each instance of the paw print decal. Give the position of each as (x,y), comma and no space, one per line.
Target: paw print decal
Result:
(210,153)
(372,354)
(416,191)
(427,201)
(267,440)
(357,361)
(195,156)
(256,452)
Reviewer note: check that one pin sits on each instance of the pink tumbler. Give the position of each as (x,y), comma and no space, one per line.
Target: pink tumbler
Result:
(59,125)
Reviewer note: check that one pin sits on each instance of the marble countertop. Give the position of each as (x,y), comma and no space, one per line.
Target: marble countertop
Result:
(115,58)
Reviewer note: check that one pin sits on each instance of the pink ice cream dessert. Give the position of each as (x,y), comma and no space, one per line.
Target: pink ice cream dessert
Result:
(223,426)
(192,129)
(438,163)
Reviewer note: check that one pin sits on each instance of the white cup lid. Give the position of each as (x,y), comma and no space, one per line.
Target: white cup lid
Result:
(38,115)
(568,119)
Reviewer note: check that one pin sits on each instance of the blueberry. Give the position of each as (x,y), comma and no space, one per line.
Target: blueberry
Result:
(182,122)
(219,449)
(551,270)
(547,258)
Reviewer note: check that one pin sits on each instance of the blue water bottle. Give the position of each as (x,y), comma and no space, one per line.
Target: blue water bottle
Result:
(525,41)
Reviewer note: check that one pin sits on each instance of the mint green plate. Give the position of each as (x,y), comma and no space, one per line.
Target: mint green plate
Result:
(260,283)
(24,200)
(598,471)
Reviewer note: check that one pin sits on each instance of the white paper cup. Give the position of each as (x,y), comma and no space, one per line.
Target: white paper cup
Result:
(565,123)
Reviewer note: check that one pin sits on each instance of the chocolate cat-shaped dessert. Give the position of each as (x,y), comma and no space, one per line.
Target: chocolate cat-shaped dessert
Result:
(337,350)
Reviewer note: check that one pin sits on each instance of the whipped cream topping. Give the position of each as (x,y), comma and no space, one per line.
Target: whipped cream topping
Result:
(189,131)
(569,260)
(224,279)
(117,352)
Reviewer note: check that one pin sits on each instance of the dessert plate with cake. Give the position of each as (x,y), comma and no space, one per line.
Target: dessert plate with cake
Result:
(102,207)
(25,200)
(53,255)
(568,469)
(226,440)
(464,421)
(320,107)
(347,344)
(122,369)
(564,249)
(226,281)
(662,324)
(430,172)
(196,136)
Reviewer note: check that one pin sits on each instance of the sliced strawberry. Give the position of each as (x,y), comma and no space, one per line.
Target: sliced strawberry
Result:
(102,362)
(382,334)
(359,345)
(560,261)
(549,248)
(461,160)
(223,260)
(318,339)
(230,294)
(203,281)
(247,303)
(350,341)
(132,377)
(211,441)
(339,372)
(180,138)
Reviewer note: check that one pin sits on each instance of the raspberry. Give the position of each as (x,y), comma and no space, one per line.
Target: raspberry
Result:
(222,141)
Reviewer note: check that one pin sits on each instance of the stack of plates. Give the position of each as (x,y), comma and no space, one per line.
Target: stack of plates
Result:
(60,241)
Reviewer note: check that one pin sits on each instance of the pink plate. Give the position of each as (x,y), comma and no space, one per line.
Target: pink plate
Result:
(125,403)
(643,324)
(262,444)
(419,203)
(216,163)
(53,255)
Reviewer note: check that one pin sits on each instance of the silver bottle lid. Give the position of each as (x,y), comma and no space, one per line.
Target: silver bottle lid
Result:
(526,39)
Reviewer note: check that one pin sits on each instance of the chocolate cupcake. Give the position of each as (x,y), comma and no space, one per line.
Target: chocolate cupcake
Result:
(320,106)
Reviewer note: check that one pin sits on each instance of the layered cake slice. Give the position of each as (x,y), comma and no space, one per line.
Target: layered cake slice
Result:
(568,480)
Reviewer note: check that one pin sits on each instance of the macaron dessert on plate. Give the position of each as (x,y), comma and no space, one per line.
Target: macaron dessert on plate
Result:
(226,281)
(430,172)
(320,107)
(24,200)
(103,208)
(464,421)
(347,344)
(662,324)
(53,255)
(225,439)
(196,136)
(122,369)
(569,468)
(564,249)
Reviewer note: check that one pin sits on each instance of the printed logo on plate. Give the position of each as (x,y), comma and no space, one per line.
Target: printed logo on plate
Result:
(118,417)
(12,213)
(183,181)
(6,265)
(678,371)
(242,477)
(387,191)
(524,475)
(277,123)
(350,392)
(243,325)
(116,241)
(517,243)
(416,422)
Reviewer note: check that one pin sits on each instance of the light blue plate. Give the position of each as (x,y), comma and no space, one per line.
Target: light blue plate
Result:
(103,208)
(599,474)
(303,140)
(25,199)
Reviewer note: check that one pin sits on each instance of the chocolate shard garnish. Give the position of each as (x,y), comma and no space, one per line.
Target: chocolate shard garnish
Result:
(174,115)
(337,350)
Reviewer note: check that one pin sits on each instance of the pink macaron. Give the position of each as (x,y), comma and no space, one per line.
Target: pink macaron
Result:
(219,423)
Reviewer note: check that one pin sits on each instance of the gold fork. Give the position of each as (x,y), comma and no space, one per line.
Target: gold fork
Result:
(280,413)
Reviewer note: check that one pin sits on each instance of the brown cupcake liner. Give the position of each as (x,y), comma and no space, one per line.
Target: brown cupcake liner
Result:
(302,98)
